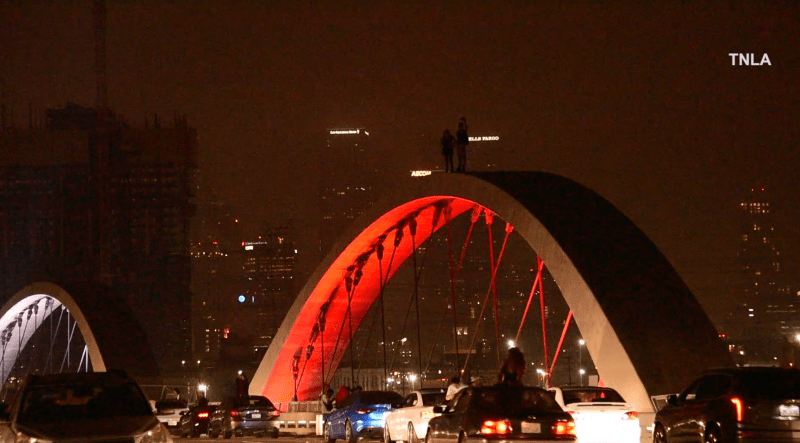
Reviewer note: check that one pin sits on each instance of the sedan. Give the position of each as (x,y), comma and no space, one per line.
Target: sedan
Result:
(194,422)
(361,414)
(600,414)
(743,404)
(410,421)
(245,415)
(499,414)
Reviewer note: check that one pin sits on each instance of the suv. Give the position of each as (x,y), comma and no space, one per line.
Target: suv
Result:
(734,405)
(86,406)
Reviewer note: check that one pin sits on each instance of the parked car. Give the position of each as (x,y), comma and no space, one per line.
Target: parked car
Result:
(169,412)
(194,422)
(743,404)
(85,407)
(245,415)
(600,414)
(361,415)
(410,421)
(500,413)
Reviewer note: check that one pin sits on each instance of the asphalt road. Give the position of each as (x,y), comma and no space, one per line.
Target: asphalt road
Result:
(281,439)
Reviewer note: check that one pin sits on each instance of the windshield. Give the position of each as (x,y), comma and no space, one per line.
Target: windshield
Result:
(595,395)
(380,398)
(434,399)
(254,400)
(512,402)
(88,401)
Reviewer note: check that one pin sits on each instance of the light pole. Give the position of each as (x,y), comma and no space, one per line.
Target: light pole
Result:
(581,342)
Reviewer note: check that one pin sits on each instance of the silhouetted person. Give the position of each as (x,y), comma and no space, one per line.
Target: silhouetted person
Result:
(342,395)
(453,388)
(448,142)
(327,400)
(242,385)
(513,368)
(201,399)
(462,140)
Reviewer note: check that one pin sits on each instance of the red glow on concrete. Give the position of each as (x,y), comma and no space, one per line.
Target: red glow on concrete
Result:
(331,288)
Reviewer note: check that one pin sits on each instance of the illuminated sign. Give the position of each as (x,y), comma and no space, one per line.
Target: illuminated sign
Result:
(420,173)
(248,248)
(485,138)
(345,131)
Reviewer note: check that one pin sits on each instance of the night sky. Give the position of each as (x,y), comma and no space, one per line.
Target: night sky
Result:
(638,102)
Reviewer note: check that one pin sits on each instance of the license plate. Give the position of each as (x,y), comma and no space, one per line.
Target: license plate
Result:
(531,428)
(255,415)
(790,411)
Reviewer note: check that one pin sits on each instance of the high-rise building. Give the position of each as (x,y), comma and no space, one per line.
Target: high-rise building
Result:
(766,310)
(84,196)
(347,178)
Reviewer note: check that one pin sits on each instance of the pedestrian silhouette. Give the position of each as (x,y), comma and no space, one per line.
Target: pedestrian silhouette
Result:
(462,140)
(448,142)
(513,368)
(242,386)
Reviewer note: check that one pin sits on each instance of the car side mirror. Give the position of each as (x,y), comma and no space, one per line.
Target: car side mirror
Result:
(672,399)
(439,409)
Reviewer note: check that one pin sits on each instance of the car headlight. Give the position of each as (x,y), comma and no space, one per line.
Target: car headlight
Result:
(156,434)
(25,438)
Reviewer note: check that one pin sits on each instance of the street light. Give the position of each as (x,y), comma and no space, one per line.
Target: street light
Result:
(541,373)
(412,378)
(581,371)
(511,344)
(580,357)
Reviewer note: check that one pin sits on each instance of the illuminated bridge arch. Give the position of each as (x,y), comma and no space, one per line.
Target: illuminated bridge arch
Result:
(644,329)
(113,339)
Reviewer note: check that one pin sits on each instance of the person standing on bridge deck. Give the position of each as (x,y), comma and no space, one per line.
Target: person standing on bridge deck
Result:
(448,142)
(242,385)
(462,140)
(513,368)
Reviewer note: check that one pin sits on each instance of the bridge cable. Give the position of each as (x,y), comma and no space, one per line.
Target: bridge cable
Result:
(509,229)
(447,213)
(540,265)
(412,226)
(560,343)
(544,324)
(489,222)
(54,332)
(348,286)
(356,279)
(476,212)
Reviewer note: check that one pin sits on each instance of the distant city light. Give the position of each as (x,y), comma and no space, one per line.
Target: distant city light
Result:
(242,299)
(202,387)
(581,342)
(248,248)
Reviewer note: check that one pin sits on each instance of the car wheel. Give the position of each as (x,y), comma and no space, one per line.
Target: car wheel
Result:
(349,436)
(387,438)
(659,435)
(326,433)
(227,433)
(412,434)
(713,436)
(211,433)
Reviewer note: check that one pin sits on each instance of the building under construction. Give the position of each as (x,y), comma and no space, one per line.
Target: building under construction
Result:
(85,197)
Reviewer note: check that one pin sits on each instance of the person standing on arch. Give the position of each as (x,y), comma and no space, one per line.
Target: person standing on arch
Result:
(447,150)
(462,140)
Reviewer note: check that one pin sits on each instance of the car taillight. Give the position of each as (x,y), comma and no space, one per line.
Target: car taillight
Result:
(632,415)
(275,413)
(235,413)
(739,408)
(426,414)
(364,411)
(500,427)
(564,428)
(202,415)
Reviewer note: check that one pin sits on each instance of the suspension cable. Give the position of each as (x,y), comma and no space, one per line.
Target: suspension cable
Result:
(489,223)
(544,324)
(539,265)
(348,280)
(560,343)
(476,212)
(356,279)
(509,229)
(447,213)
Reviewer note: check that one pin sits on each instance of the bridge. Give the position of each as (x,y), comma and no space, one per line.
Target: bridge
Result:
(622,293)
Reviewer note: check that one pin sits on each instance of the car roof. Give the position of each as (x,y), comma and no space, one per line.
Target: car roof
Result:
(78,377)
(431,391)
(749,370)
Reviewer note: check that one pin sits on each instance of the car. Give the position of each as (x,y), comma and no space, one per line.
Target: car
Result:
(737,404)
(361,415)
(600,414)
(85,407)
(244,415)
(410,421)
(169,412)
(501,414)
(194,422)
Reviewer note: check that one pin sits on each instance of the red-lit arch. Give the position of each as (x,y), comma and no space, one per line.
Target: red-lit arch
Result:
(614,279)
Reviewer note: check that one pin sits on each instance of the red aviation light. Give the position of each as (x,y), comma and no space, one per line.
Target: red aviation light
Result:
(564,428)
(739,408)
(500,427)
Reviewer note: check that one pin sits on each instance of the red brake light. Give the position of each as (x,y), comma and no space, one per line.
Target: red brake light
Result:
(739,408)
(202,415)
(426,414)
(275,413)
(632,415)
(364,411)
(564,428)
(500,427)
(234,413)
